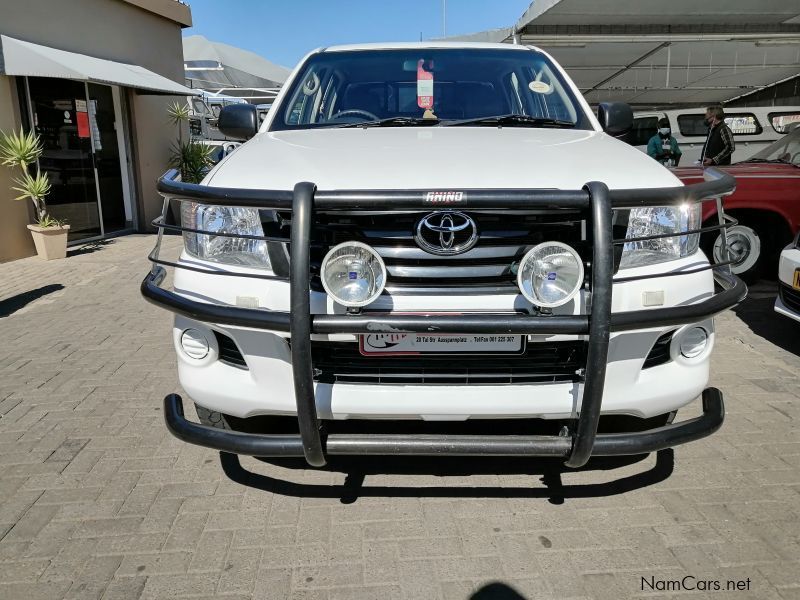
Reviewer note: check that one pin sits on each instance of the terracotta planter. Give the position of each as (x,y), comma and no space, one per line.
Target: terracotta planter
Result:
(50,242)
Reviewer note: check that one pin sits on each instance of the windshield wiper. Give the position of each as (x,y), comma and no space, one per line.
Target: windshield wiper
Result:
(392,122)
(511,119)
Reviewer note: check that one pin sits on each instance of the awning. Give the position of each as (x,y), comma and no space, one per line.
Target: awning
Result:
(33,60)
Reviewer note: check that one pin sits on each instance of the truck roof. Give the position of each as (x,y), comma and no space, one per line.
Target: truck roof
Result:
(422,45)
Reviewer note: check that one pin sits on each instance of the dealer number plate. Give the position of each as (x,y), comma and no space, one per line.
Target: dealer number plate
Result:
(422,343)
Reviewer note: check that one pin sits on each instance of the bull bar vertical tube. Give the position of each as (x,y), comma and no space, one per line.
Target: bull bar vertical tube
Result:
(300,323)
(599,325)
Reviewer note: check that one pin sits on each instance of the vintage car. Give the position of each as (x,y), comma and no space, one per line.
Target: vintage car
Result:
(422,238)
(766,205)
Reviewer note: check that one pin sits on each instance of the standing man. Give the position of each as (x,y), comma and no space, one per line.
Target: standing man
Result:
(719,144)
(663,147)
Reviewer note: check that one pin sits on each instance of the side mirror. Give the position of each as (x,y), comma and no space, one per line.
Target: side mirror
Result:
(238,121)
(616,118)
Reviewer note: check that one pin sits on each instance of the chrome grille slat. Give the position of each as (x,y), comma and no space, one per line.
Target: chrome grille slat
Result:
(479,252)
(449,271)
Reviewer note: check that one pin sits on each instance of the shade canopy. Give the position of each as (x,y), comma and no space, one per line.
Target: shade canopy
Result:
(34,60)
(213,65)
(656,53)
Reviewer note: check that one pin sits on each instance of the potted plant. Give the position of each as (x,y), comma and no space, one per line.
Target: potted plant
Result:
(19,151)
(191,158)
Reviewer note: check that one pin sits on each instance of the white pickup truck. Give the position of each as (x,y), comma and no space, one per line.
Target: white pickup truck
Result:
(439,234)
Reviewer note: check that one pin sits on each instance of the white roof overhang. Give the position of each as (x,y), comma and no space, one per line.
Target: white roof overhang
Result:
(656,53)
(22,58)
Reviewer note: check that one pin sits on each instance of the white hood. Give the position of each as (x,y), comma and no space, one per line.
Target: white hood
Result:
(438,158)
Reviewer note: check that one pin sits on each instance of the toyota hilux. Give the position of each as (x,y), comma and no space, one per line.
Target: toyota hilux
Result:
(421,236)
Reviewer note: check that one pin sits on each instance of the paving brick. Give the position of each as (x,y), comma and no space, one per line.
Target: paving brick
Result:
(92,487)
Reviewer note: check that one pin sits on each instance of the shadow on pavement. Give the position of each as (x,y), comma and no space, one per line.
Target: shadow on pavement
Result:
(89,248)
(11,305)
(496,591)
(548,471)
(758,313)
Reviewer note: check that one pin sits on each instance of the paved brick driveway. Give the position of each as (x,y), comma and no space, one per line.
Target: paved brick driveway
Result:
(98,501)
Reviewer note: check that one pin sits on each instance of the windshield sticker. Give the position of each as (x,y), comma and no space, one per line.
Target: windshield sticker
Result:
(540,87)
(424,85)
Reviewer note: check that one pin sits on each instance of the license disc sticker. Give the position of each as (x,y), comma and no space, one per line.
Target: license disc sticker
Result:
(540,87)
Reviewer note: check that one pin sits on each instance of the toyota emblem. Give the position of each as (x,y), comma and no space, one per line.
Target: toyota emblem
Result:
(446,233)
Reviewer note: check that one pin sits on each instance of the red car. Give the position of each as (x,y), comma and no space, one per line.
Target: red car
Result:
(766,204)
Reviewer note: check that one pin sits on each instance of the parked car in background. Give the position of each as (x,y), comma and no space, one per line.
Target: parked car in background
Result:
(766,204)
(788,300)
(754,128)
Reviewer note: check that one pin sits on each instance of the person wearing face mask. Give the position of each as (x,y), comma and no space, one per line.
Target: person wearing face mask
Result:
(663,147)
(719,144)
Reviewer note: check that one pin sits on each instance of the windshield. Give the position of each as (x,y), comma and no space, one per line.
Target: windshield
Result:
(428,86)
(786,149)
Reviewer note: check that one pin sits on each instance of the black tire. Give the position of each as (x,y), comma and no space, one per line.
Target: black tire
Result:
(212,418)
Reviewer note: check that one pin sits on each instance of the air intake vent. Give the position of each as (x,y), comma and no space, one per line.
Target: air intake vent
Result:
(228,351)
(660,352)
(542,362)
(790,297)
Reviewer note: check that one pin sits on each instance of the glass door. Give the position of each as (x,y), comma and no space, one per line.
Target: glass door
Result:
(60,117)
(105,145)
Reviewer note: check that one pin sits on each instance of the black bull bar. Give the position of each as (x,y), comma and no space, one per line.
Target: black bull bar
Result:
(578,445)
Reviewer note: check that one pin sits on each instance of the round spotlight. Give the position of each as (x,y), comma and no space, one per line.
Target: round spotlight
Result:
(550,274)
(194,344)
(693,342)
(353,274)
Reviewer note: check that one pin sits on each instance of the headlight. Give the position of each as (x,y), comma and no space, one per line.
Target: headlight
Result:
(659,220)
(353,274)
(222,249)
(550,274)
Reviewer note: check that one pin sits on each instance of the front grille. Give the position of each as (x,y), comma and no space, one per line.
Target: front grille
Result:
(542,362)
(790,297)
(491,265)
(659,354)
(228,351)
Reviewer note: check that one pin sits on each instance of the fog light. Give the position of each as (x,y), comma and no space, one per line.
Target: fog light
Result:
(693,342)
(194,344)
(353,274)
(550,274)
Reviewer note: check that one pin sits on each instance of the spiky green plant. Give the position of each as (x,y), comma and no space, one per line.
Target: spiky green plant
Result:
(193,159)
(19,151)
(178,115)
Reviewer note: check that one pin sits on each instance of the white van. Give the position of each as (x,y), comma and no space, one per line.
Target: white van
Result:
(754,128)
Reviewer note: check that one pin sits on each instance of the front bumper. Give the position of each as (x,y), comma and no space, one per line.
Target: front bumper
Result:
(605,444)
(577,445)
(788,301)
